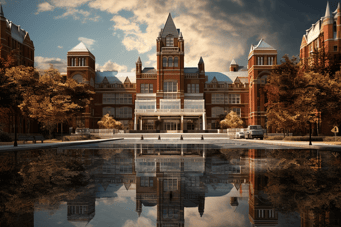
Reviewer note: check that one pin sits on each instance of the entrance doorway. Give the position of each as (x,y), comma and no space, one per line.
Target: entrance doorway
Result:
(171,125)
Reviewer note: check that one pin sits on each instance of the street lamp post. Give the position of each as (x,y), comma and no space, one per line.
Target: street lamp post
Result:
(310,133)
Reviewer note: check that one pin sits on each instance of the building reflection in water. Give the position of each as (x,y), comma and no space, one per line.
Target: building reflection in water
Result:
(174,177)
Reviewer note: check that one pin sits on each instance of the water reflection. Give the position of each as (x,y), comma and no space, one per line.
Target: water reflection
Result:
(162,181)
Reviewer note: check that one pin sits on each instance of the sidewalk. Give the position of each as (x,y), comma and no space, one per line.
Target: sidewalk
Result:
(319,145)
(38,145)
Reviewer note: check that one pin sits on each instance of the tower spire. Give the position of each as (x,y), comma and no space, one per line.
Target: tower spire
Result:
(1,11)
(327,14)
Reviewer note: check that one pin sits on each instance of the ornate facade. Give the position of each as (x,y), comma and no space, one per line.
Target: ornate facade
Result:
(172,97)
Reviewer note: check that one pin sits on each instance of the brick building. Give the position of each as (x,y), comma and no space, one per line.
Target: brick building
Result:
(13,37)
(173,97)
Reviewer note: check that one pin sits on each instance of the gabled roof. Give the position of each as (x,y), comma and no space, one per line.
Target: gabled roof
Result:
(115,77)
(127,81)
(169,28)
(80,48)
(233,62)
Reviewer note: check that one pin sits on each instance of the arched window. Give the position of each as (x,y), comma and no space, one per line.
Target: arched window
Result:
(169,41)
(170,62)
(78,78)
(164,62)
(176,62)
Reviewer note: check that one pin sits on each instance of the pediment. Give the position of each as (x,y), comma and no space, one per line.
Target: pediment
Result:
(127,81)
(105,81)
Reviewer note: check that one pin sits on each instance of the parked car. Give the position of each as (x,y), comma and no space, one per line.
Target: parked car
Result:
(254,131)
(239,135)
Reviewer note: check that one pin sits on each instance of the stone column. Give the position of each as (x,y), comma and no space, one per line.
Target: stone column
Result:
(135,123)
(182,123)
(141,123)
(204,121)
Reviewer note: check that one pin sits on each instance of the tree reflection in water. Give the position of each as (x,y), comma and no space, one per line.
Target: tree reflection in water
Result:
(307,182)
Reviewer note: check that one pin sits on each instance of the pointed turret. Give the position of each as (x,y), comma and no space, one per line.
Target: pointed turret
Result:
(201,61)
(201,65)
(139,60)
(233,66)
(180,36)
(327,14)
(1,11)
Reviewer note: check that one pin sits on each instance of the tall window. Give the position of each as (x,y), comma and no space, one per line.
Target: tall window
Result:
(237,110)
(218,98)
(260,60)
(164,62)
(192,88)
(170,62)
(146,88)
(176,62)
(124,99)
(124,112)
(170,185)
(169,41)
(334,30)
(270,60)
(109,110)
(216,111)
(234,98)
(108,98)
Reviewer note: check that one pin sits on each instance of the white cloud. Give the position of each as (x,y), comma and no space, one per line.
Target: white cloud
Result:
(111,66)
(140,222)
(44,6)
(60,47)
(42,63)
(88,42)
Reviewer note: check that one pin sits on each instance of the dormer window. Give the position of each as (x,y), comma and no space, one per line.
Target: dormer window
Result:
(169,41)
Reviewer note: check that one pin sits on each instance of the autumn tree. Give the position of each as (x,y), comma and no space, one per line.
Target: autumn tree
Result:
(232,120)
(55,101)
(15,81)
(109,123)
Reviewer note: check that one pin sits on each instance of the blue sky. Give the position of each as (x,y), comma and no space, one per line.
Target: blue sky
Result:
(118,31)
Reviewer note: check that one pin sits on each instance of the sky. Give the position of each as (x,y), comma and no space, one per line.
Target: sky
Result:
(117,32)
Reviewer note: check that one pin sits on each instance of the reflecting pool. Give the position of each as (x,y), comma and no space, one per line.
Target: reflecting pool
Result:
(111,184)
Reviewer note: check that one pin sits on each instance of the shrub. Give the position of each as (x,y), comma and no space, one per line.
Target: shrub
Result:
(4,137)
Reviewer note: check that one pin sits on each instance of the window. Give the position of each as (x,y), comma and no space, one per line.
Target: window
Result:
(146,88)
(334,30)
(270,60)
(192,88)
(79,61)
(146,182)
(124,99)
(170,62)
(335,48)
(108,98)
(260,60)
(170,104)
(169,41)
(170,86)
(176,62)
(218,98)
(109,110)
(164,62)
(216,111)
(124,112)
(77,209)
(237,110)
(234,98)
(170,185)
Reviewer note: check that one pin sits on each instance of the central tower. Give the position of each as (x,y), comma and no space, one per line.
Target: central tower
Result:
(170,63)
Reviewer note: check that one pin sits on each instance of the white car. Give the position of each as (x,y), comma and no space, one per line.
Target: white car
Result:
(239,135)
